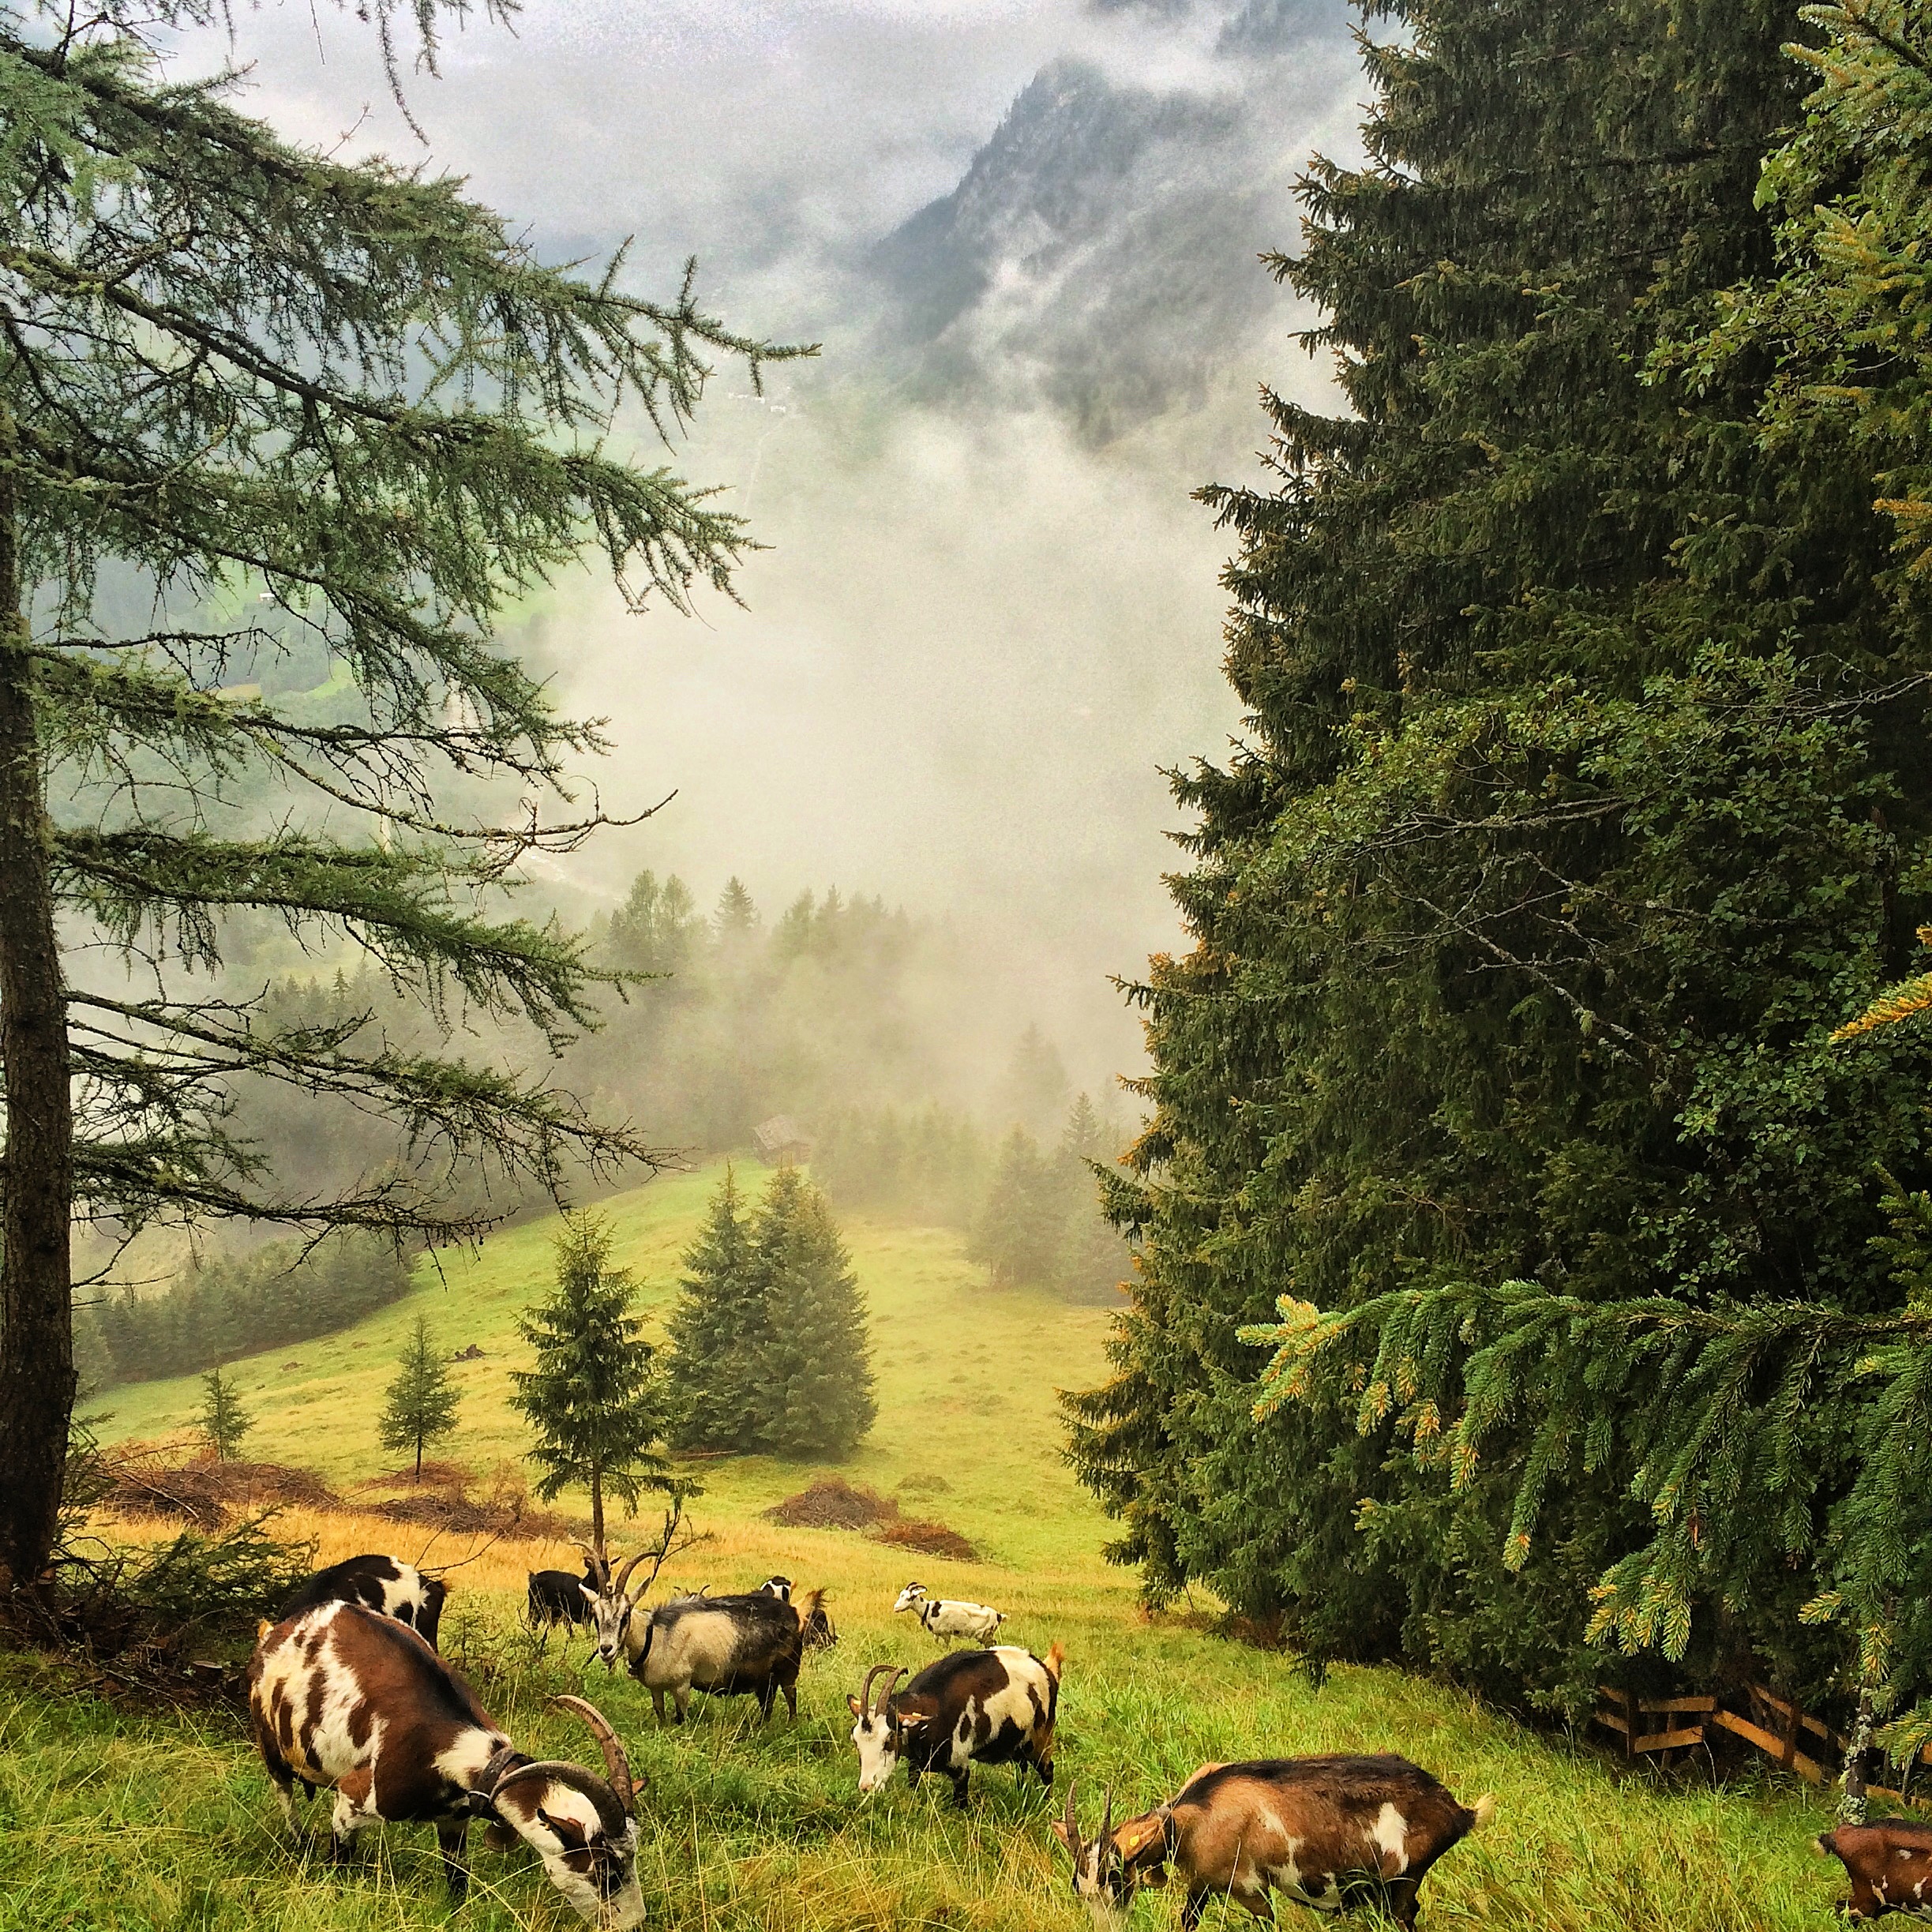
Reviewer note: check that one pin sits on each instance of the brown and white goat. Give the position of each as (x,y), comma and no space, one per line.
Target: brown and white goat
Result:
(345,1699)
(988,1707)
(1327,1831)
(1889,1864)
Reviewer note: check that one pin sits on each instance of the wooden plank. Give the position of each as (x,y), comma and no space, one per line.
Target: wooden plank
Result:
(1613,1722)
(1812,1724)
(1665,1706)
(1670,1740)
(1771,1746)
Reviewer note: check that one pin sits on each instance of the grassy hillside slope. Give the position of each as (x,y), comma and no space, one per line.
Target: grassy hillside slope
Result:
(112,1817)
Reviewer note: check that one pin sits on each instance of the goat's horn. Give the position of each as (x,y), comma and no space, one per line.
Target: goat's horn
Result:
(599,1561)
(624,1575)
(1073,1824)
(615,1763)
(1106,1818)
(865,1689)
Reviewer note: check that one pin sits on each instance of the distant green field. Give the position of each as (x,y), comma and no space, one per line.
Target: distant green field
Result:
(116,1818)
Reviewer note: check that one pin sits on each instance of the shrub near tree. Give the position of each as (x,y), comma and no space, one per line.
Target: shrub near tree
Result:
(594,1400)
(422,1400)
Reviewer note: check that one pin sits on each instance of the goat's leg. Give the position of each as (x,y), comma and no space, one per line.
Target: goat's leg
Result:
(450,1836)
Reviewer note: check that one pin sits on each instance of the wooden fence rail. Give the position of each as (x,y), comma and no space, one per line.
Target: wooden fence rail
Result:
(1656,1726)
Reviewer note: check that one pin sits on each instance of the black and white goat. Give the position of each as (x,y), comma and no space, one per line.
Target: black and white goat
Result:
(1328,1831)
(381,1583)
(947,1617)
(561,1596)
(988,1707)
(344,1699)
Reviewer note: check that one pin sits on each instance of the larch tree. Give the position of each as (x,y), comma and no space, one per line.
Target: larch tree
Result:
(421,1404)
(250,395)
(594,1400)
(1583,793)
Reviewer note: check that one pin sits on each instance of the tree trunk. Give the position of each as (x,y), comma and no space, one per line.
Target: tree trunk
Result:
(419,1462)
(597,1509)
(36,1186)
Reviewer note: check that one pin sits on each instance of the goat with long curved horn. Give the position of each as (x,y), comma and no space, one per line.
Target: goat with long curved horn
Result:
(615,1763)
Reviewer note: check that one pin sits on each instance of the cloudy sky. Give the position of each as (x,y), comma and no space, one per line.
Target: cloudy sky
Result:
(976,635)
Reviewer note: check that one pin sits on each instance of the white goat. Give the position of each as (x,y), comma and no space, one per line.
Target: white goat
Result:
(945,1617)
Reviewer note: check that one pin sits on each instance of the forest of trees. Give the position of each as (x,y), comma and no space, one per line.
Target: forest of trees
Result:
(1584,793)
(226,1307)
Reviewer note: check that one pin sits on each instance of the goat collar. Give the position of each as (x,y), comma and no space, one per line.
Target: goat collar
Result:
(505,1757)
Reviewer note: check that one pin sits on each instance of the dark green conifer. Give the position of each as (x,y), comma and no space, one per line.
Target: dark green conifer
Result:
(593,1401)
(717,1332)
(222,1417)
(814,1393)
(1020,1225)
(421,1403)
(1583,794)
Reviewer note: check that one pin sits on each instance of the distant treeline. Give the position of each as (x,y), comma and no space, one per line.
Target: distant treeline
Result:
(1031,1214)
(223,1308)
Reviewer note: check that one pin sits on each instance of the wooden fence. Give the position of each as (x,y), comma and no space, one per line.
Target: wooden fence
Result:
(1792,1739)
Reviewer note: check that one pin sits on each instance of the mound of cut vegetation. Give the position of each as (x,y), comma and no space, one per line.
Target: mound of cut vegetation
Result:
(207,1493)
(831,1503)
(442,1500)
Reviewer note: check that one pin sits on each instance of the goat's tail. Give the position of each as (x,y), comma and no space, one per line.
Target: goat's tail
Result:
(1825,1845)
(1056,1660)
(1482,1811)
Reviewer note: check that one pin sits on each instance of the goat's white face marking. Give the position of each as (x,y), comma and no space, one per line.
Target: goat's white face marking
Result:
(877,1739)
(908,1596)
(1101,1885)
(603,1887)
(611,1617)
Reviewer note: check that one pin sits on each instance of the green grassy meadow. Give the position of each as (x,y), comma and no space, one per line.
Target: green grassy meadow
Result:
(114,1817)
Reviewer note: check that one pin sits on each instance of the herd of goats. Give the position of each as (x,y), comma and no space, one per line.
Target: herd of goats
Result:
(348,1692)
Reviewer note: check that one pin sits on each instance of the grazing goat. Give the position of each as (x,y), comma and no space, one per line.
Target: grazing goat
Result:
(558,1596)
(379,1583)
(344,1698)
(1889,1864)
(727,1645)
(1328,1831)
(988,1707)
(944,1617)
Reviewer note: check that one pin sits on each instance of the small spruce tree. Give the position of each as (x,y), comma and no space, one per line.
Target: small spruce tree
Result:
(222,1418)
(594,1399)
(422,1400)
(814,1394)
(717,1331)
(1018,1232)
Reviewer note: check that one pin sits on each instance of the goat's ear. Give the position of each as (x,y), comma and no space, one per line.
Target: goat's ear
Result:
(859,1709)
(911,1720)
(589,1594)
(1065,1837)
(1132,1839)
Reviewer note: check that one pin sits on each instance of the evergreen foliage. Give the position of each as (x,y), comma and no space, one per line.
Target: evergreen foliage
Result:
(1584,794)
(421,1404)
(1017,1233)
(593,1402)
(717,1332)
(222,1417)
(252,399)
(771,1351)
(814,1394)
(223,1308)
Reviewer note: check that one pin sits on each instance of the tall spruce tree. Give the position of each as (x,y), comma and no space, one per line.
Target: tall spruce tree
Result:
(814,1394)
(420,1405)
(1021,1227)
(252,400)
(593,1401)
(1583,794)
(717,1332)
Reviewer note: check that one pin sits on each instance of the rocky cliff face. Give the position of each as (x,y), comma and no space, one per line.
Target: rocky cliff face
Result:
(1099,254)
